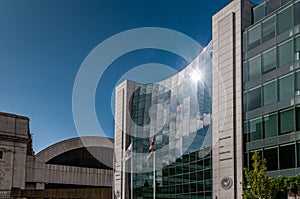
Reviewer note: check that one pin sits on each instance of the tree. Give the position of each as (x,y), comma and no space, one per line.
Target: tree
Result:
(292,185)
(257,185)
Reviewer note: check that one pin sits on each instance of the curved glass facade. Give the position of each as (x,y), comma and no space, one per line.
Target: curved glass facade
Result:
(178,112)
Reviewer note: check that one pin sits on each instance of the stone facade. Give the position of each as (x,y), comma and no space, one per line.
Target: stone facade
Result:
(14,139)
(124,93)
(22,173)
(227,98)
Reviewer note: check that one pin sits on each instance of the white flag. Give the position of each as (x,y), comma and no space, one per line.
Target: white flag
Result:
(128,153)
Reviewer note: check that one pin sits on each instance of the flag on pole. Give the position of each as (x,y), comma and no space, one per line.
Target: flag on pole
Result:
(151,148)
(128,153)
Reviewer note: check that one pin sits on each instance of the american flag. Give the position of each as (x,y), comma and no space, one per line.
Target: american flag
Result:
(151,147)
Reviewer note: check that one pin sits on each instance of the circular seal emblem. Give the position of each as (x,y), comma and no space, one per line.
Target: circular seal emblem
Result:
(226,183)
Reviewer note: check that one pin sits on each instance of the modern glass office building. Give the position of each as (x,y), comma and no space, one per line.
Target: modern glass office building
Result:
(271,86)
(250,102)
(178,112)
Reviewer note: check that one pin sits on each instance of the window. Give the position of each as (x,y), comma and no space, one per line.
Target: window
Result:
(244,41)
(208,186)
(298,154)
(259,12)
(297,48)
(244,101)
(286,121)
(193,187)
(297,13)
(298,118)
(250,155)
(272,5)
(270,92)
(200,175)
(207,174)
(200,186)
(284,20)
(178,189)
(286,87)
(207,163)
(269,60)
(254,98)
(254,37)
(270,125)
(255,129)
(1,154)
(186,158)
(245,131)
(297,83)
(287,156)
(285,51)
(245,71)
(271,156)
(268,29)
(254,68)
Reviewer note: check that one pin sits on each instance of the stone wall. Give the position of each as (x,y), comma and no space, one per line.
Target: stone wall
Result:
(99,193)
(227,98)
(24,174)
(14,139)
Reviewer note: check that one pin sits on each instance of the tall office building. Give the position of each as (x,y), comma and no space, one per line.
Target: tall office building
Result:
(251,104)
(271,86)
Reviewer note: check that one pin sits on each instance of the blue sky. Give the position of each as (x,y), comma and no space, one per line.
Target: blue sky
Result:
(43,43)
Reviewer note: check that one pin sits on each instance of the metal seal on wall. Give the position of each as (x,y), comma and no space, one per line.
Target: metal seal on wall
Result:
(226,183)
(118,194)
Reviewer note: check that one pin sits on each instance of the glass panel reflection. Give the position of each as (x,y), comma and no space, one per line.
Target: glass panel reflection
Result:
(268,29)
(286,53)
(270,125)
(254,98)
(254,37)
(286,87)
(259,12)
(270,92)
(284,22)
(287,121)
(255,126)
(269,60)
(254,68)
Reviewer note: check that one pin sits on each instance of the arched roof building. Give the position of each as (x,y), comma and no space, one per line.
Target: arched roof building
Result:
(75,168)
(86,161)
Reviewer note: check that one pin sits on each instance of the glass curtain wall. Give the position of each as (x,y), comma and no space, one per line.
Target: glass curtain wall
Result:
(178,111)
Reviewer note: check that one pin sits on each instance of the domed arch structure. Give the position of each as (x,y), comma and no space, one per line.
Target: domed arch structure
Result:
(90,143)
(68,164)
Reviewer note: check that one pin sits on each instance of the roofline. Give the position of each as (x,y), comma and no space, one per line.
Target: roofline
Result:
(14,116)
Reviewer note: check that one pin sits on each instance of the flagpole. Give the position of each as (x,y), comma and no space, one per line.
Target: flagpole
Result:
(154,176)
